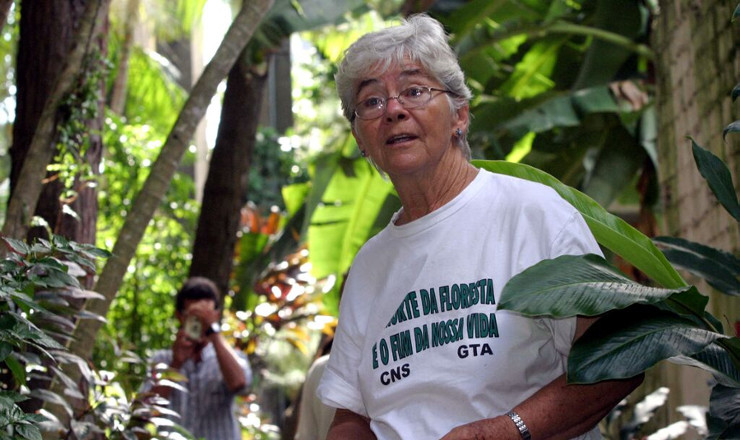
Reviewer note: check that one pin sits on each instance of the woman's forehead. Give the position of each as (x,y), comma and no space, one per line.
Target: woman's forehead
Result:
(395,72)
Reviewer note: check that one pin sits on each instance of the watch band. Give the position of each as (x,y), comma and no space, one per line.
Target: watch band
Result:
(213,328)
(523,430)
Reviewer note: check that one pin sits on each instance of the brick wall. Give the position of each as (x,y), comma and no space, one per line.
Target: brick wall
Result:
(697,66)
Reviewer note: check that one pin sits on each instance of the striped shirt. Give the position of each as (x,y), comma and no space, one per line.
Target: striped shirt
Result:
(207,408)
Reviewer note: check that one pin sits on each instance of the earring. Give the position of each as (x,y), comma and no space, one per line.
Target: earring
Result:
(459,132)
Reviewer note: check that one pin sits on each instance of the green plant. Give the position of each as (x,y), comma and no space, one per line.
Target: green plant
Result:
(40,298)
(38,288)
(143,305)
(644,325)
(78,108)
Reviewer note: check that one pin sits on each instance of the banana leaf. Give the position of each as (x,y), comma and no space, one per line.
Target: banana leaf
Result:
(720,269)
(604,58)
(715,359)
(609,230)
(626,342)
(587,285)
(723,419)
(718,177)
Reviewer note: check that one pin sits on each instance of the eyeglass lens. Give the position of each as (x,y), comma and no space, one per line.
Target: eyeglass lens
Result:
(411,97)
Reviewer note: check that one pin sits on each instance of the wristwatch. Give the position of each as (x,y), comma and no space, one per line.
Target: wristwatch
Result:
(213,328)
(523,430)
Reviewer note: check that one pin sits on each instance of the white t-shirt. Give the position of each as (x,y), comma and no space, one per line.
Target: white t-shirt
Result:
(420,347)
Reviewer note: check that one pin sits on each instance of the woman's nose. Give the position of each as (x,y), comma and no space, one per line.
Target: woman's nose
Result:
(394,109)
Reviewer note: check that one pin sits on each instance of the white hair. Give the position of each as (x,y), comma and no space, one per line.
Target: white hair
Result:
(419,39)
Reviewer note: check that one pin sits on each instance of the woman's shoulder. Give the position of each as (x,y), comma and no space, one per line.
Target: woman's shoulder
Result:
(517,191)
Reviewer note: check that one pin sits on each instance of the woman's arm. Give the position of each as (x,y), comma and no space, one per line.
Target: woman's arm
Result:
(557,411)
(350,425)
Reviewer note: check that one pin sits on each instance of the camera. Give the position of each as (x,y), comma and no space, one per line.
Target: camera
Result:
(193,327)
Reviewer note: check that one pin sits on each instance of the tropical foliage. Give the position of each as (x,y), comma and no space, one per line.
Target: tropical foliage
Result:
(555,86)
(645,324)
(541,73)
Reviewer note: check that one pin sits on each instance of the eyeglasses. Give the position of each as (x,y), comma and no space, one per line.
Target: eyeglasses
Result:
(412,97)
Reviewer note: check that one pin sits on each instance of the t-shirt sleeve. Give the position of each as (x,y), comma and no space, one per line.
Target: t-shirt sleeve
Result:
(339,386)
(575,238)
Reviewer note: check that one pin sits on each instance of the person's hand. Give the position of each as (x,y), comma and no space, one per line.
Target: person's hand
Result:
(183,349)
(204,314)
(205,311)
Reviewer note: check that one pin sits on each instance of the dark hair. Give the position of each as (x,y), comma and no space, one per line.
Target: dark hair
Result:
(196,288)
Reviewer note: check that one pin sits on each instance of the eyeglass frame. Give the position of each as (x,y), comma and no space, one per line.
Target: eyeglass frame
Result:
(383,105)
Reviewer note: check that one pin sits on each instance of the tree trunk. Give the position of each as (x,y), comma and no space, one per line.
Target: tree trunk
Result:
(32,162)
(226,186)
(120,85)
(164,167)
(156,184)
(39,61)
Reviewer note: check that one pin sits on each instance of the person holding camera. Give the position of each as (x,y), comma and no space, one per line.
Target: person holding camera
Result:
(214,371)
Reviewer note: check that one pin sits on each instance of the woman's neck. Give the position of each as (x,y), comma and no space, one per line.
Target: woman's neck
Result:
(423,195)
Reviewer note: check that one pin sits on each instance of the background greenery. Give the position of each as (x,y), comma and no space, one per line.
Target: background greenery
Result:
(564,86)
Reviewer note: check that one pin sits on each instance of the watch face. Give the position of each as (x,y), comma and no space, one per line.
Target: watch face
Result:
(193,327)
(214,328)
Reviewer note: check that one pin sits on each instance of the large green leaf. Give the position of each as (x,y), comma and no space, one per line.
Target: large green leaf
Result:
(716,359)
(348,202)
(616,165)
(718,177)
(153,93)
(289,16)
(627,342)
(594,100)
(300,15)
(531,75)
(720,269)
(572,285)
(610,231)
(723,419)
(510,119)
(477,12)
(604,58)
(345,217)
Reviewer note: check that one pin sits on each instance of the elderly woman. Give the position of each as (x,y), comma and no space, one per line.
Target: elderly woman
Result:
(421,352)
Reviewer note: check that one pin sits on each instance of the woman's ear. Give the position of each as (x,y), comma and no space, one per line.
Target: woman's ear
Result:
(360,144)
(463,118)
(357,138)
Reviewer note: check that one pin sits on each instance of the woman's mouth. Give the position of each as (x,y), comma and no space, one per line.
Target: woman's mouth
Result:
(399,138)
